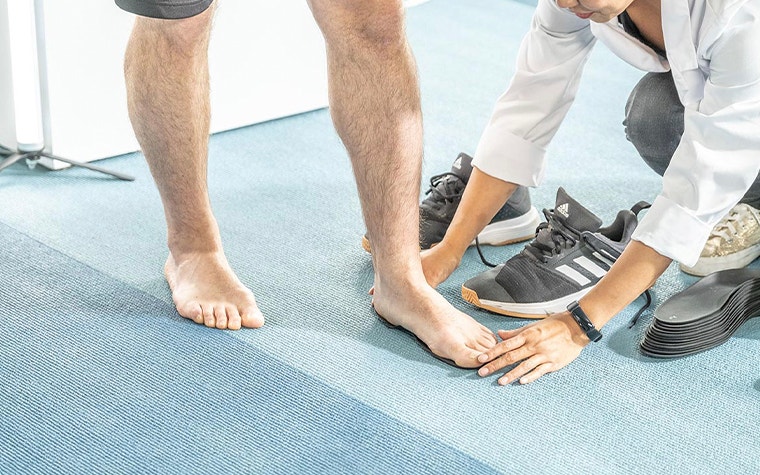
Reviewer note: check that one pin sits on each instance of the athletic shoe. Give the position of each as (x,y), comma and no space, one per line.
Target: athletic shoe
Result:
(516,221)
(733,243)
(568,257)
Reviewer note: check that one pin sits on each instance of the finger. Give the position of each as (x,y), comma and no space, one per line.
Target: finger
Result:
(521,369)
(208,315)
(507,359)
(502,348)
(220,314)
(540,370)
(507,334)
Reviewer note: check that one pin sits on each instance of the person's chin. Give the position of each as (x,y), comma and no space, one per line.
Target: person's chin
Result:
(599,18)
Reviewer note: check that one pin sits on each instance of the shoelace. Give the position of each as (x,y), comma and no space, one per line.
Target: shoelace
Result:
(561,236)
(728,225)
(453,187)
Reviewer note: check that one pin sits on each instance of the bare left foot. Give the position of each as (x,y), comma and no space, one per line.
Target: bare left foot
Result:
(206,290)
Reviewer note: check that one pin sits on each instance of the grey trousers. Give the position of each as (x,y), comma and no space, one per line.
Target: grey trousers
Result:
(654,125)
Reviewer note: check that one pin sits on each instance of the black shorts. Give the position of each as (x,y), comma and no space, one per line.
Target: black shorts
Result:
(165,9)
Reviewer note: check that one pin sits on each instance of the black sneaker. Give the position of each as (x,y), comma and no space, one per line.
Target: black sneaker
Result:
(569,255)
(516,221)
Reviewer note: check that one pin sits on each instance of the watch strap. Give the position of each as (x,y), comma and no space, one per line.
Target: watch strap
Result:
(584,322)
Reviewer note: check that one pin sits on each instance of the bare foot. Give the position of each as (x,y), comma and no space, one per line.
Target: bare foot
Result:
(207,291)
(448,332)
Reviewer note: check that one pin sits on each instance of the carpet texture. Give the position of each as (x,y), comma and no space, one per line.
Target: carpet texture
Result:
(101,364)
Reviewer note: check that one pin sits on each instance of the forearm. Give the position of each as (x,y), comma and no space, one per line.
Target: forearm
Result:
(634,272)
(482,199)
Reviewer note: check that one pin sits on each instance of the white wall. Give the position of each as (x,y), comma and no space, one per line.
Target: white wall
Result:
(7,127)
(267,60)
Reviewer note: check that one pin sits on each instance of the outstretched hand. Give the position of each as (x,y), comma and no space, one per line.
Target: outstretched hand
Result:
(438,263)
(541,347)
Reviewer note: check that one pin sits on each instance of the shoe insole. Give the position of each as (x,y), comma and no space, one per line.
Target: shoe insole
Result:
(705,297)
(704,315)
(419,342)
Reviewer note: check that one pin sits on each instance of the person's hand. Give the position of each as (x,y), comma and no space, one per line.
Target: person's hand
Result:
(543,347)
(438,263)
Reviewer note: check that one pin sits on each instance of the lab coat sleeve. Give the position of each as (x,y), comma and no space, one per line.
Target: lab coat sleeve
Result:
(526,117)
(718,158)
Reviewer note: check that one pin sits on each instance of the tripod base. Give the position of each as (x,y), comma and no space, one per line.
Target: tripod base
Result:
(33,157)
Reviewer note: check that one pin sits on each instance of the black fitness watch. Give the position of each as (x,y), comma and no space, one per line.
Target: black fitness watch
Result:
(583,321)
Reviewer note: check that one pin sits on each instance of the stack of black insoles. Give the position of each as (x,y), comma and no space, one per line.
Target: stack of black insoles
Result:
(704,315)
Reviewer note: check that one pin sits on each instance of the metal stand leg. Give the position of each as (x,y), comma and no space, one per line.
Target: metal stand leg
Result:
(33,157)
(13,158)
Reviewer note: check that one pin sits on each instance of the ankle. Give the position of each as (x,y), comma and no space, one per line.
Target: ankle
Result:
(401,285)
(187,245)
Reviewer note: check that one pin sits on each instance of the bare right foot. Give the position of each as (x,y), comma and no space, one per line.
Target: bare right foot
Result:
(448,332)
(206,290)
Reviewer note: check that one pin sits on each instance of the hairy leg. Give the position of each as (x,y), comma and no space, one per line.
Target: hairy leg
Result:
(166,70)
(375,105)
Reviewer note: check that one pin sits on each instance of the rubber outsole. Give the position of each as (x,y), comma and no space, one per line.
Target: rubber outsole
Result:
(704,315)
(492,235)
(707,266)
(472,297)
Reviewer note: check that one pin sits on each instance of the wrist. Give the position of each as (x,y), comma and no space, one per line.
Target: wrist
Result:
(576,334)
(583,322)
(451,248)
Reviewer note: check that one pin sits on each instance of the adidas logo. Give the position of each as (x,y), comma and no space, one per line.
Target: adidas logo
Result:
(458,163)
(563,209)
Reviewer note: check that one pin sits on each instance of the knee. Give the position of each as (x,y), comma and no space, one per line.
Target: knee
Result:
(368,23)
(184,35)
(654,119)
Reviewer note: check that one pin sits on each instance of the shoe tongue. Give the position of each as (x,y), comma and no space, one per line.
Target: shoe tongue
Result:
(462,167)
(572,214)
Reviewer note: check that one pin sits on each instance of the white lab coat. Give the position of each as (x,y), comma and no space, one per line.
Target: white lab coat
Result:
(713,49)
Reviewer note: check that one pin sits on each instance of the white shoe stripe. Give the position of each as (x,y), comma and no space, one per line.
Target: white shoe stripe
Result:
(603,259)
(587,264)
(573,274)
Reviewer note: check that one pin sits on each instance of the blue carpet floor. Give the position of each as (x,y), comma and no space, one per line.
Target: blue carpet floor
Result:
(100,374)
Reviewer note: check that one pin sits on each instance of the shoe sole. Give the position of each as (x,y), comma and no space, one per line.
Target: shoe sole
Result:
(365,244)
(531,310)
(501,233)
(704,315)
(510,231)
(737,260)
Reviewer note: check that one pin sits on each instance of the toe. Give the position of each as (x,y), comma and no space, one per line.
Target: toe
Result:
(220,314)
(252,317)
(233,318)
(468,359)
(191,311)
(208,315)
(462,356)
(485,342)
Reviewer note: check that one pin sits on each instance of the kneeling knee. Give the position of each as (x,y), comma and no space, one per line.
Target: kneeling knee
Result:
(654,116)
